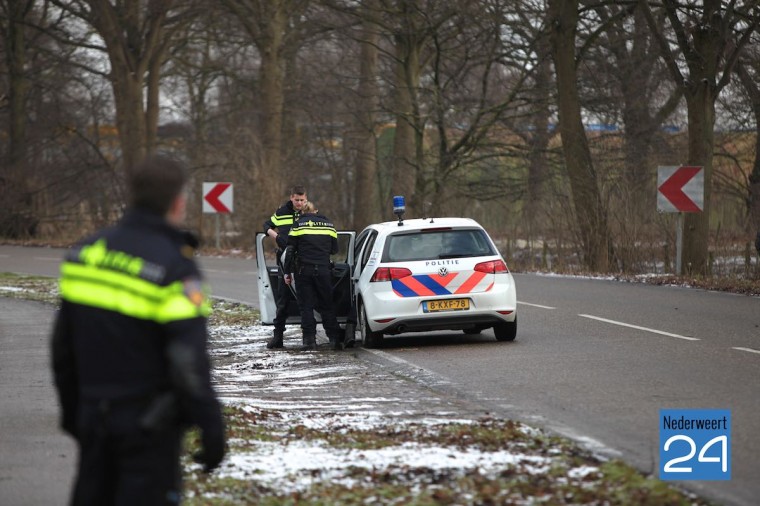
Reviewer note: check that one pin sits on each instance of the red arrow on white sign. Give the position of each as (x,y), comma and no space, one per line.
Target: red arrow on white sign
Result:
(680,189)
(217,197)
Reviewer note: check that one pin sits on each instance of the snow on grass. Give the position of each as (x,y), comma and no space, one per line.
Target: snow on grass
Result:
(327,427)
(12,289)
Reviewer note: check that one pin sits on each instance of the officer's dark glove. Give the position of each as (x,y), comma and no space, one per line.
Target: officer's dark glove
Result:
(212,453)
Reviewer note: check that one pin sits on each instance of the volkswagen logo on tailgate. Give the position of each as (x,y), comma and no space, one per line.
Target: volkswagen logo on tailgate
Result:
(443,271)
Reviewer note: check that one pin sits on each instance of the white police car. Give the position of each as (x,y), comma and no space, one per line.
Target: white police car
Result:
(414,275)
(430,274)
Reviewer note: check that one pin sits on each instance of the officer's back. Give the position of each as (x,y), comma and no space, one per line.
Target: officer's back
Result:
(129,349)
(315,238)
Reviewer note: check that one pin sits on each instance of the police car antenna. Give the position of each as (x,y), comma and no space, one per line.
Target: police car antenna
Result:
(399,208)
(427,205)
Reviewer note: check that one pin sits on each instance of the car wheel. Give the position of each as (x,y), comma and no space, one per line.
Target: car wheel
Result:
(506,331)
(369,338)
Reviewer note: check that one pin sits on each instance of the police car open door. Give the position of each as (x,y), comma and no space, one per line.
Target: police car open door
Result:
(268,274)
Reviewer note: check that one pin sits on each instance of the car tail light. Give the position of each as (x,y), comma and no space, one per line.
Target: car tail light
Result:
(390,273)
(492,267)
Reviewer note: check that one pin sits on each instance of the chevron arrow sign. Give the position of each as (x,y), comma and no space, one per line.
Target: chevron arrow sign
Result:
(217,198)
(680,189)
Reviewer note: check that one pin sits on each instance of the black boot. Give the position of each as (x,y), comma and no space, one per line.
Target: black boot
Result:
(309,343)
(276,340)
(337,343)
(350,338)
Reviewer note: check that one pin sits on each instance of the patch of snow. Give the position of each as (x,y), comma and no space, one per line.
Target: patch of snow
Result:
(12,289)
(278,464)
(335,391)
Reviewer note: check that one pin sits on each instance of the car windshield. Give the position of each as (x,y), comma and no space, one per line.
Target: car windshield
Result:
(424,245)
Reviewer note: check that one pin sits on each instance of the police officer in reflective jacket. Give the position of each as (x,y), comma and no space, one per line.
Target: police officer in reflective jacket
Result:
(129,349)
(310,243)
(278,226)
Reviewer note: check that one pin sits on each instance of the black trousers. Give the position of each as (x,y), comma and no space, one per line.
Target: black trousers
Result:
(120,464)
(282,298)
(314,289)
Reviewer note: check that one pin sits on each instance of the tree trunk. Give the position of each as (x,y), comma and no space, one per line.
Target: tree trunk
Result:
(134,37)
(18,82)
(405,169)
(700,100)
(130,114)
(15,200)
(366,203)
(753,195)
(539,140)
(152,105)
(753,199)
(272,100)
(590,215)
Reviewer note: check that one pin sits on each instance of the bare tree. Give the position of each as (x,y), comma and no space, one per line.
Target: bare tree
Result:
(748,70)
(409,34)
(367,208)
(709,37)
(621,86)
(136,34)
(12,29)
(14,191)
(274,26)
(562,21)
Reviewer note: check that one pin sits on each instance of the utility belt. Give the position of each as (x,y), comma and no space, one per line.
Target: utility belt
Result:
(157,411)
(305,269)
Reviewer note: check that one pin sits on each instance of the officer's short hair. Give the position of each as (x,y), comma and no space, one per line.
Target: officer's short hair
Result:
(156,182)
(298,190)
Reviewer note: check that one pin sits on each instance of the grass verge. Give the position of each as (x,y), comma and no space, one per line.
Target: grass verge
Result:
(488,461)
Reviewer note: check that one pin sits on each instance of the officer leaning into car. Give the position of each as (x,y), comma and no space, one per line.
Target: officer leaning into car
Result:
(310,243)
(277,227)
(129,354)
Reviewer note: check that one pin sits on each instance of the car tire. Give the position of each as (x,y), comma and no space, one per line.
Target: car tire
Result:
(506,331)
(370,339)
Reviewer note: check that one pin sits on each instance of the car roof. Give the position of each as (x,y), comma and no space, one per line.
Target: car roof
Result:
(424,223)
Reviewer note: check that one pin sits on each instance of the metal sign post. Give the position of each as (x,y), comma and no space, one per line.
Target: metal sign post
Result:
(679,242)
(216,219)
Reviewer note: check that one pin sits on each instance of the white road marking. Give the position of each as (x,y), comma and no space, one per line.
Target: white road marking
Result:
(745,349)
(646,329)
(535,305)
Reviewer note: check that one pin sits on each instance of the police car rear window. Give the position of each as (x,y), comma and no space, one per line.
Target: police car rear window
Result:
(436,244)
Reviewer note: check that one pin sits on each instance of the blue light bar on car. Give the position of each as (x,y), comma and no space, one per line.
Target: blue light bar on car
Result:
(399,208)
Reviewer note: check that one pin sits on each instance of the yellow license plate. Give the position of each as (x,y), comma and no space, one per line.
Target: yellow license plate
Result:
(432,306)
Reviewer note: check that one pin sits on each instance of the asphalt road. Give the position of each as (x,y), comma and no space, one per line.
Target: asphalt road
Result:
(37,461)
(595,360)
